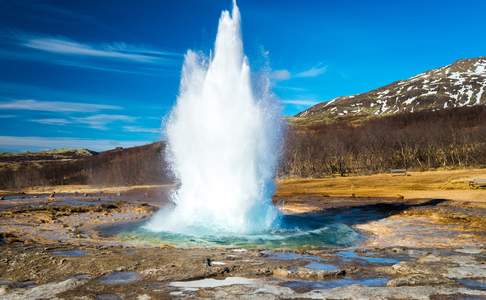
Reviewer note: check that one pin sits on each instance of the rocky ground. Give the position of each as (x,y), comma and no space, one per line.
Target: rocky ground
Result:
(51,246)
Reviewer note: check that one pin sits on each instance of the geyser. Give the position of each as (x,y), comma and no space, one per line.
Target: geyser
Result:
(223,144)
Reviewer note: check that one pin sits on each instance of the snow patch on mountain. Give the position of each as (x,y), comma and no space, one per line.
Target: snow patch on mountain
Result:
(460,84)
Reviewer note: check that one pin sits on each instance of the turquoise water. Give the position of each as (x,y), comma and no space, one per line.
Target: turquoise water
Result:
(294,231)
(317,266)
(351,255)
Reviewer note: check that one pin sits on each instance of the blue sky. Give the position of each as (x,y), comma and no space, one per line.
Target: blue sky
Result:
(101,74)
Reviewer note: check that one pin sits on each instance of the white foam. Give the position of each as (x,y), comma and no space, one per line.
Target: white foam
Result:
(223,143)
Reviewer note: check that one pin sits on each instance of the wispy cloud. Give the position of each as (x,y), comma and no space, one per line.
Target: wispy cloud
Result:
(44,143)
(280,74)
(102,120)
(119,51)
(285,74)
(99,121)
(139,129)
(7,116)
(55,106)
(291,88)
(312,72)
(117,57)
(52,121)
(82,63)
(300,102)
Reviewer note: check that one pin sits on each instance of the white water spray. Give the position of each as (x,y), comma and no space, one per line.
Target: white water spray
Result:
(223,144)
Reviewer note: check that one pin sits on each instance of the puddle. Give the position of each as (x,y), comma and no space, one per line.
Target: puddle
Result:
(211,283)
(314,262)
(478,284)
(70,253)
(306,285)
(351,255)
(290,256)
(321,267)
(82,276)
(5,282)
(17,284)
(23,197)
(469,250)
(119,278)
(80,202)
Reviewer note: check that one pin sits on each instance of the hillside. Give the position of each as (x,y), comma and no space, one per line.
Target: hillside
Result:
(461,84)
(57,154)
(424,140)
(130,166)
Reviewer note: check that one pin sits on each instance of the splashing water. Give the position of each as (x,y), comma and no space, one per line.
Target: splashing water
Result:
(223,144)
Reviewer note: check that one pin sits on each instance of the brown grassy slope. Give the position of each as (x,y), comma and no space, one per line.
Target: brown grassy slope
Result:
(443,184)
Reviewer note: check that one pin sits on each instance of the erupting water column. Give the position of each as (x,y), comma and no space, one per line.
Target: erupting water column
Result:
(223,144)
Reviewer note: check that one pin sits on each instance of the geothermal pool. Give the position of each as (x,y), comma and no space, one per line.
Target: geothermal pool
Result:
(294,232)
(303,231)
(224,139)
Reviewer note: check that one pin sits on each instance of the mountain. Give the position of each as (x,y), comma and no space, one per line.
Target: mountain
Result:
(460,84)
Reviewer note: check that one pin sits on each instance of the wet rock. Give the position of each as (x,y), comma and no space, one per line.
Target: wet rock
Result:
(46,291)
(108,297)
(3,290)
(429,259)
(404,292)
(419,279)
(280,272)
(469,250)
(109,206)
(151,272)
(406,268)
(8,238)
(263,272)
(468,271)
(304,273)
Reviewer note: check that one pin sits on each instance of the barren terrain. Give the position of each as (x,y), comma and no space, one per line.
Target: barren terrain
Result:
(427,243)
